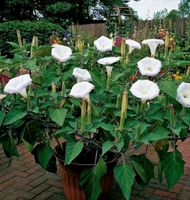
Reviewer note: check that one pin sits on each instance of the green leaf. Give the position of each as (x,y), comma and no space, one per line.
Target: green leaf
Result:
(139,169)
(13,116)
(107,146)
(156,134)
(173,167)
(58,115)
(146,165)
(2,116)
(186,118)
(169,87)
(90,180)
(72,151)
(125,175)
(9,146)
(45,153)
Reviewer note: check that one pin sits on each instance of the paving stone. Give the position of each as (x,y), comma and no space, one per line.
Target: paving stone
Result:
(26,180)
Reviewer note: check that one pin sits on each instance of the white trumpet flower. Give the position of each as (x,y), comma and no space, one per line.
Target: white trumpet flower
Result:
(18,85)
(149,66)
(81,89)
(132,44)
(103,44)
(81,74)
(183,94)
(145,90)
(108,60)
(153,44)
(61,53)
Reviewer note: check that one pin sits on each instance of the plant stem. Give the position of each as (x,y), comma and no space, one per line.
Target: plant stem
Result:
(89,111)
(123,110)
(83,115)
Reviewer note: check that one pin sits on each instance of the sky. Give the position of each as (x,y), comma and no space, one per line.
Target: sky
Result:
(146,8)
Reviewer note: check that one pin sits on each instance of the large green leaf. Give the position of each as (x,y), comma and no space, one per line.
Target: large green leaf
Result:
(58,115)
(13,116)
(125,175)
(72,151)
(156,134)
(169,87)
(45,153)
(145,169)
(173,167)
(90,180)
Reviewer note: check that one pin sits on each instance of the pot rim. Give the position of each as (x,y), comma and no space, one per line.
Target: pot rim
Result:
(57,155)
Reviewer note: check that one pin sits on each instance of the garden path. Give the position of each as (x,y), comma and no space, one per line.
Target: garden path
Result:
(24,179)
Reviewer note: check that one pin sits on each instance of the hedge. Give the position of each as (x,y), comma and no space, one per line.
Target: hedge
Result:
(42,29)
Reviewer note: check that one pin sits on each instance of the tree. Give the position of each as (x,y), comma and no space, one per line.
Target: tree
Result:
(55,10)
(173,15)
(184,8)
(160,14)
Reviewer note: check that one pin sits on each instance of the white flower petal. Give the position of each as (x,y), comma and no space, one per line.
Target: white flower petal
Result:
(81,74)
(109,70)
(17,84)
(108,60)
(103,44)
(145,90)
(153,44)
(149,66)
(183,94)
(132,45)
(61,53)
(81,89)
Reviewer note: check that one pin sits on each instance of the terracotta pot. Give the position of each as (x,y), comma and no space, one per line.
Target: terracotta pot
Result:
(72,189)
(70,175)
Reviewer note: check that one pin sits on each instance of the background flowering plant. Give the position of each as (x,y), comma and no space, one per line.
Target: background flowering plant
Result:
(100,102)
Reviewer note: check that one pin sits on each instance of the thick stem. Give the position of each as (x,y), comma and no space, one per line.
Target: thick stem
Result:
(83,115)
(123,110)
(89,111)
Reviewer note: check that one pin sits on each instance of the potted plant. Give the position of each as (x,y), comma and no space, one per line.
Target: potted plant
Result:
(88,107)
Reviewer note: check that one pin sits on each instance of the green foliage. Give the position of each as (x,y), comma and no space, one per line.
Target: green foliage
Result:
(184,8)
(173,166)
(90,180)
(93,135)
(58,115)
(42,29)
(125,177)
(72,151)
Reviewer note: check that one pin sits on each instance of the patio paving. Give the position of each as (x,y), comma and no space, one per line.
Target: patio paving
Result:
(24,179)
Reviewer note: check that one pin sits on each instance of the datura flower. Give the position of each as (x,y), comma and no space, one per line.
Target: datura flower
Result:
(153,44)
(18,85)
(109,70)
(183,94)
(149,66)
(132,45)
(108,60)
(81,89)
(61,53)
(103,44)
(81,74)
(145,90)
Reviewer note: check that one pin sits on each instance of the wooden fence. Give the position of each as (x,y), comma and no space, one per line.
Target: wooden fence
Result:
(147,29)
(142,29)
(95,30)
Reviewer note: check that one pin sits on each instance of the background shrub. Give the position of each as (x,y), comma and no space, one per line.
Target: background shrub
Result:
(42,29)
